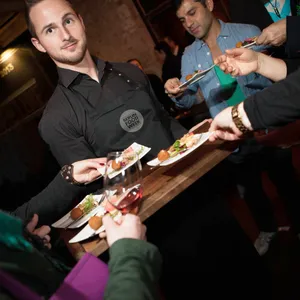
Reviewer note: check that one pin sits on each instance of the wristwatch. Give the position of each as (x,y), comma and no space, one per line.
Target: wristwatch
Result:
(67,174)
(237,120)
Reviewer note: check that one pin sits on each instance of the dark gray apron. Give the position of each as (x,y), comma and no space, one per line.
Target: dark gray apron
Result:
(127,112)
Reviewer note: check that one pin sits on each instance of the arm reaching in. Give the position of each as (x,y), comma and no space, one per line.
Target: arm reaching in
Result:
(134,263)
(42,232)
(172,88)
(242,61)
(274,35)
(58,196)
(86,171)
(224,128)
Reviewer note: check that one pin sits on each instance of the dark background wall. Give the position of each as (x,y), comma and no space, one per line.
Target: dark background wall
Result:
(26,164)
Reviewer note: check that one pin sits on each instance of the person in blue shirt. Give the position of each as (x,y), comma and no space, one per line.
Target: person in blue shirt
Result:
(220,90)
(213,37)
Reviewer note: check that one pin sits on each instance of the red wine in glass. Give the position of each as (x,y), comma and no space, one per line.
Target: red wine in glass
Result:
(129,200)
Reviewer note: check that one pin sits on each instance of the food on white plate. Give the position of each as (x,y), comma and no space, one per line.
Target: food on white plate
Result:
(76,213)
(116,165)
(127,156)
(189,76)
(95,222)
(246,42)
(163,155)
(180,146)
(84,208)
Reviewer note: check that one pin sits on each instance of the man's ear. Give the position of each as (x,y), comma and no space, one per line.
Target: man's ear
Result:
(210,5)
(36,43)
(81,20)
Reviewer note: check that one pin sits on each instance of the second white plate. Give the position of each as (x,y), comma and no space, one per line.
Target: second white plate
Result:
(203,138)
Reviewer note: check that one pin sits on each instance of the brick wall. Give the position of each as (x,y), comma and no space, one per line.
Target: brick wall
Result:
(116,32)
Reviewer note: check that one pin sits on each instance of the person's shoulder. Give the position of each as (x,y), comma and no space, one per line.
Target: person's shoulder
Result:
(130,70)
(56,100)
(127,68)
(57,108)
(243,28)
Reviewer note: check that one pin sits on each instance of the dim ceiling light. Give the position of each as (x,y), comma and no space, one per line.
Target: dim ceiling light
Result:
(6,55)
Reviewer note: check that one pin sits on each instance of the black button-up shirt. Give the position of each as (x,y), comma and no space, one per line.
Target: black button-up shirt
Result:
(86,119)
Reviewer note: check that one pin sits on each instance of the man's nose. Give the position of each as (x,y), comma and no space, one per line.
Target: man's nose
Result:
(189,22)
(65,34)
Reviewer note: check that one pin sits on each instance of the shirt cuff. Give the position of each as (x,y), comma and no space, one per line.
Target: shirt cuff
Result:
(62,183)
(251,111)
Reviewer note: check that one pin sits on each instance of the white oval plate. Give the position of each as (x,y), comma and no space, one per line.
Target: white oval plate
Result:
(88,232)
(66,220)
(203,138)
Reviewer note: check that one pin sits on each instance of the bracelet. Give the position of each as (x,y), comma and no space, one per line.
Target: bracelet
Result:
(237,120)
(67,174)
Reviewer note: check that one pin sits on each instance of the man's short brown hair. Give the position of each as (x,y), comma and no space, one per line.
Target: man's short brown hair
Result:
(29,4)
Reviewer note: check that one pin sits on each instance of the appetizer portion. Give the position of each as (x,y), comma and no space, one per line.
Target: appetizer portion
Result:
(246,42)
(180,146)
(189,76)
(95,225)
(95,222)
(180,149)
(127,156)
(84,208)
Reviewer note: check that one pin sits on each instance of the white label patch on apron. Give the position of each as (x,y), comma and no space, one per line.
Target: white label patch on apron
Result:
(131,120)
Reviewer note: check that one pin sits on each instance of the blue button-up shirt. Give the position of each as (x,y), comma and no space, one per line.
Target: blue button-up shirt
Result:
(197,56)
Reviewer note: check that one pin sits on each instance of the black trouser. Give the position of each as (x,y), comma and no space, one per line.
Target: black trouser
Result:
(246,166)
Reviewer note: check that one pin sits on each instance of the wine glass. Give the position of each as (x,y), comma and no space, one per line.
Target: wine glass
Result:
(122,181)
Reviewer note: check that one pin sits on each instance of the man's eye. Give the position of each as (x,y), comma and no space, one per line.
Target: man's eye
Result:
(49,30)
(68,21)
(192,13)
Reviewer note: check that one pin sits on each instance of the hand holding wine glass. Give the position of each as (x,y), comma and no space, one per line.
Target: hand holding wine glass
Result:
(130,228)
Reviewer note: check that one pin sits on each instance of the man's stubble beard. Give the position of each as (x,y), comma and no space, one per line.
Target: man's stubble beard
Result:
(72,60)
(207,30)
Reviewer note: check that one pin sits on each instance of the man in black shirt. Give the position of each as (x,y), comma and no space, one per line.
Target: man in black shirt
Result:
(97,106)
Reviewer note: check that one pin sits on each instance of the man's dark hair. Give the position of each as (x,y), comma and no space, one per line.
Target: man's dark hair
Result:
(177,3)
(163,46)
(29,4)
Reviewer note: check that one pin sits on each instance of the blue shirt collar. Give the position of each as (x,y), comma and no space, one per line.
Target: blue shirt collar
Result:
(224,33)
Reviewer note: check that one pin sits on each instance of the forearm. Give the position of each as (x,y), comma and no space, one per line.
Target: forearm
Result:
(51,203)
(275,106)
(273,68)
(134,271)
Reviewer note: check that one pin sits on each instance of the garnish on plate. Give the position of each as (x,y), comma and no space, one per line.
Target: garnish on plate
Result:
(84,208)
(189,76)
(127,156)
(179,146)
